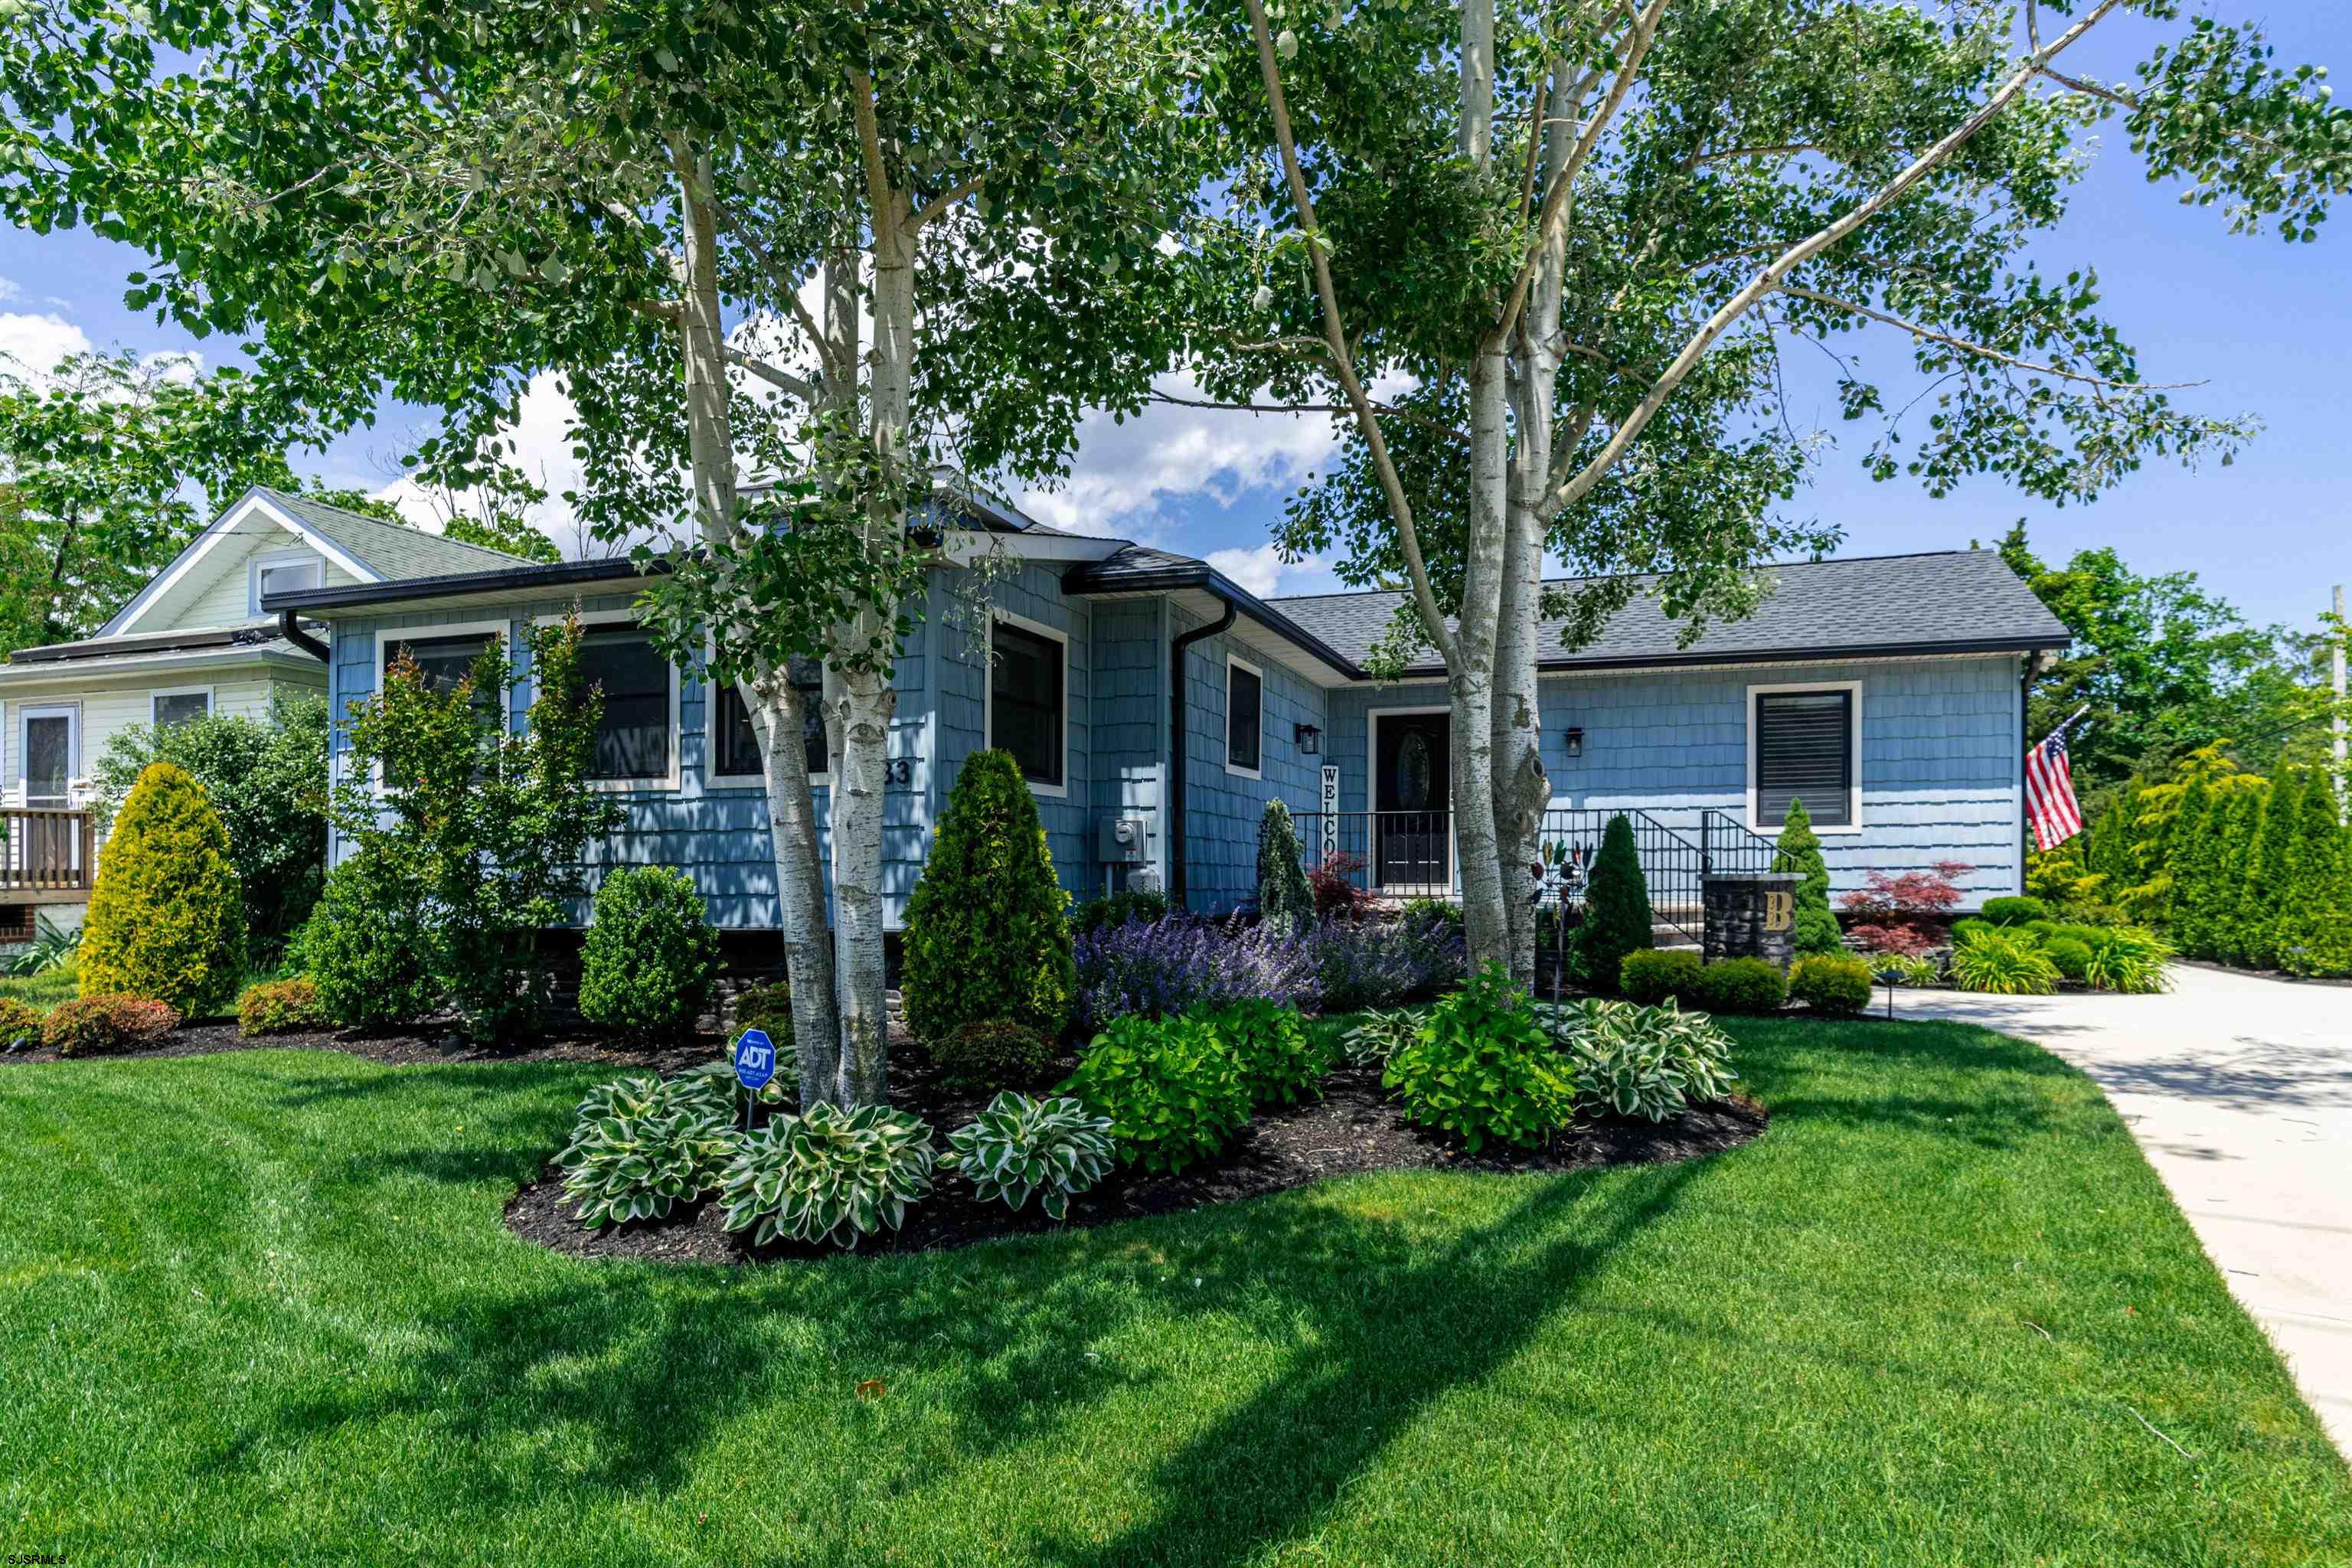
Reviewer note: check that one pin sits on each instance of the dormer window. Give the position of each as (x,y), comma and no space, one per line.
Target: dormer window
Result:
(281,572)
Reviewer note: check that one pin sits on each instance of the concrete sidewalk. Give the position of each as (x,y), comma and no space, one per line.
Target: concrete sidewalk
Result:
(2240,1091)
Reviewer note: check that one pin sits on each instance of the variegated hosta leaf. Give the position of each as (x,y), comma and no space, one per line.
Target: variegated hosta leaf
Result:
(642,1151)
(1641,1061)
(1020,1146)
(828,1174)
(1377,1036)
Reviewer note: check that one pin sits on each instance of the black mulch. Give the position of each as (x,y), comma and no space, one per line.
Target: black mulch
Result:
(1352,1128)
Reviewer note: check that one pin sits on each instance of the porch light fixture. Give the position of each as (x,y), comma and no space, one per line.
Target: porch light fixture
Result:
(1575,739)
(1308,738)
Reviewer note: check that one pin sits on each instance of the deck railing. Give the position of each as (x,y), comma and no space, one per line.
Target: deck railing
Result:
(48,852)
(1397,855)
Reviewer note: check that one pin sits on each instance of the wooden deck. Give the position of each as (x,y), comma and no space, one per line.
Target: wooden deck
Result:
(49,856)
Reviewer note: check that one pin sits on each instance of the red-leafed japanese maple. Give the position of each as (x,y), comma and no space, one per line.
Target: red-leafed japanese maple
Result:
(1903,914)
(1337,896)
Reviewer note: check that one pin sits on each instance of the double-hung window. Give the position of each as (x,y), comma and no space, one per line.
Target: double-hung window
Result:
(1244,719)
(736,745)
(1027,685)
(634,731)
(1802,748)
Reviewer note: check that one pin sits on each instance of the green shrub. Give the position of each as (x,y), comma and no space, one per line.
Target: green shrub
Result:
(1481,1067)
(991,1053)
(1173,1092)
(1284,901)
(366,948)
(19,1021)
(2039,930)
(1651,974)
(650,957)
(1021,1146)
(2015,910)
(1907,969)
(2003,963)
(53,947)
(100,1025)
(828,1174)
(1800,851)
(988,930)
(641,1145)
(278,1007)
(2315,929)
(1830,983)
(1373,1038)
(1423,911)
(1968,927)
(1280,1058)
(1746,987)
(2070,956)
(2128,958)
(1115,910)
(1616,909)
(1641,1061)
(166,916)
(718,1081)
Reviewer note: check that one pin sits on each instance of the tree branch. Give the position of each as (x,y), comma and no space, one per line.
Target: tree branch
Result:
(1804,250)
(1982,351)
(783,381)
(1343,363)
(786,287)
(933,209)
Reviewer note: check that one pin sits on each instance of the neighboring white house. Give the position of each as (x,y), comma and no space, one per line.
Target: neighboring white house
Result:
(195,641)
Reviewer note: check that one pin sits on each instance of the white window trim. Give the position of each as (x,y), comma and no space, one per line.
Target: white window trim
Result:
(711,775)
(264,559)
(212,703)
(1853,743)
(651,782)
(1234,662)
(26,714)
(988,697)
(1373,717)
(501,629)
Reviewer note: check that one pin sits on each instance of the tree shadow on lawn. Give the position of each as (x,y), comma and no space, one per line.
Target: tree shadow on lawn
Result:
(594,1379)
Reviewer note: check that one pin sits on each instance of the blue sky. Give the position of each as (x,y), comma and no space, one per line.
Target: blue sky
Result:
(2267,326)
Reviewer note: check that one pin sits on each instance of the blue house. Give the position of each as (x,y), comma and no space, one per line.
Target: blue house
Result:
(1156,706)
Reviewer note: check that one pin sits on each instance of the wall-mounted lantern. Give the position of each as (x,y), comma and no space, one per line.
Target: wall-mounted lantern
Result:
(1575,740)
(1308,739)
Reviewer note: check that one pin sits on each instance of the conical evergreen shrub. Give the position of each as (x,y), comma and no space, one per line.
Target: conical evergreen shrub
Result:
(2315,915)
(166,916)
(2270,869)
(988,930)
(1800,851)
(2182,862)
(1284,901)
(1616,909)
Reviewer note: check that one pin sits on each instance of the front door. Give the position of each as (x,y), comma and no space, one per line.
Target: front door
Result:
(1412,838)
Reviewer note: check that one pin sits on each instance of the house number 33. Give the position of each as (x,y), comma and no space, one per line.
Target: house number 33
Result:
(898,771)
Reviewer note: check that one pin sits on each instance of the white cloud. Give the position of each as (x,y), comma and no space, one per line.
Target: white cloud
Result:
(35,343)
(1265,573)
(10,291)
(539,443)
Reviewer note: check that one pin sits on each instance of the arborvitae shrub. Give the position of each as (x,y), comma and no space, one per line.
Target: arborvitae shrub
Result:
(1284,900)
(650,957)
(167,917)
(2315,922)
(1800,851)
(1617,909)
(2221,900)
(367,948)
(988,930)
(2261,897)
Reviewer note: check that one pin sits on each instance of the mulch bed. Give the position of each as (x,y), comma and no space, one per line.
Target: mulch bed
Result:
(1354,1127)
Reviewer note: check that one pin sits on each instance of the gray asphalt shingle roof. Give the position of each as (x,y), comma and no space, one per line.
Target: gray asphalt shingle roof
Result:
(1953,598)
(395,552)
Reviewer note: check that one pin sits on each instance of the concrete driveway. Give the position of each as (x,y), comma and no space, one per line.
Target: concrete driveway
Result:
(2240,1090)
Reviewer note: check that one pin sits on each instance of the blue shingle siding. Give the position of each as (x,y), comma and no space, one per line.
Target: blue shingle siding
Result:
(1222,810)
(1130,716)
(1940,750)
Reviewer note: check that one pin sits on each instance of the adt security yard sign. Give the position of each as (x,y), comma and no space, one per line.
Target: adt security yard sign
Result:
(755,1059)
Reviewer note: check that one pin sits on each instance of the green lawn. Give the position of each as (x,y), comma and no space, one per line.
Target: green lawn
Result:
(261,1308)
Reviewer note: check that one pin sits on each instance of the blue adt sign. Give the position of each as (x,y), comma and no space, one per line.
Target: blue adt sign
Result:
(755,1059)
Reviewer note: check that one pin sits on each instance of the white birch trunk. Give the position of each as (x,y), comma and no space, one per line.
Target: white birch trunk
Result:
(1485,920)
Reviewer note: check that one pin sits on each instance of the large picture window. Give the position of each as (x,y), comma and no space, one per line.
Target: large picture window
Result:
(1802,748)
(1027,681)
(1245,717)
(737,744)
(633,733)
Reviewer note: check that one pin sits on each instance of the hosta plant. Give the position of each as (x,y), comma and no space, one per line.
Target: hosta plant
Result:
(1021,1147)
(828,1174)
(1641,1061)
(639,1163)
(2003,963)
(1373,1038)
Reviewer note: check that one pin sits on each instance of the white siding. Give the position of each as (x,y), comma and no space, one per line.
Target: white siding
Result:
(110,706)
(216,593)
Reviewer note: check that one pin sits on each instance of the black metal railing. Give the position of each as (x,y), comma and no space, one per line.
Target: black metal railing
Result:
(1398,856)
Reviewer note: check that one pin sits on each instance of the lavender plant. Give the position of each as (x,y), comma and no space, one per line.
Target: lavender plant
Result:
(1365,963)
(1164,966)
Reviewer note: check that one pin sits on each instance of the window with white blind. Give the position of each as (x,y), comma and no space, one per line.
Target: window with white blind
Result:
(1803,744)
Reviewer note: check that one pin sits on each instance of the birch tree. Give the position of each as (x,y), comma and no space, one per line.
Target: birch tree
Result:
(719,225)
(1583,236)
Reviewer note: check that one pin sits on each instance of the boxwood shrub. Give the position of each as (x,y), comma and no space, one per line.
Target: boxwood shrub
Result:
(993,1053)
(2070,956)
(650,957)
(1172,1091)
(1651,974)
(2015,910)
(1741,986)
(1830,983)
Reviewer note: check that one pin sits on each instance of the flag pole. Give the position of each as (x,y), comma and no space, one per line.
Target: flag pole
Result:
(2072,720)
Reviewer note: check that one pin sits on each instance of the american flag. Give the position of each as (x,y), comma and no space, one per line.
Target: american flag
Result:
(2050,803)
